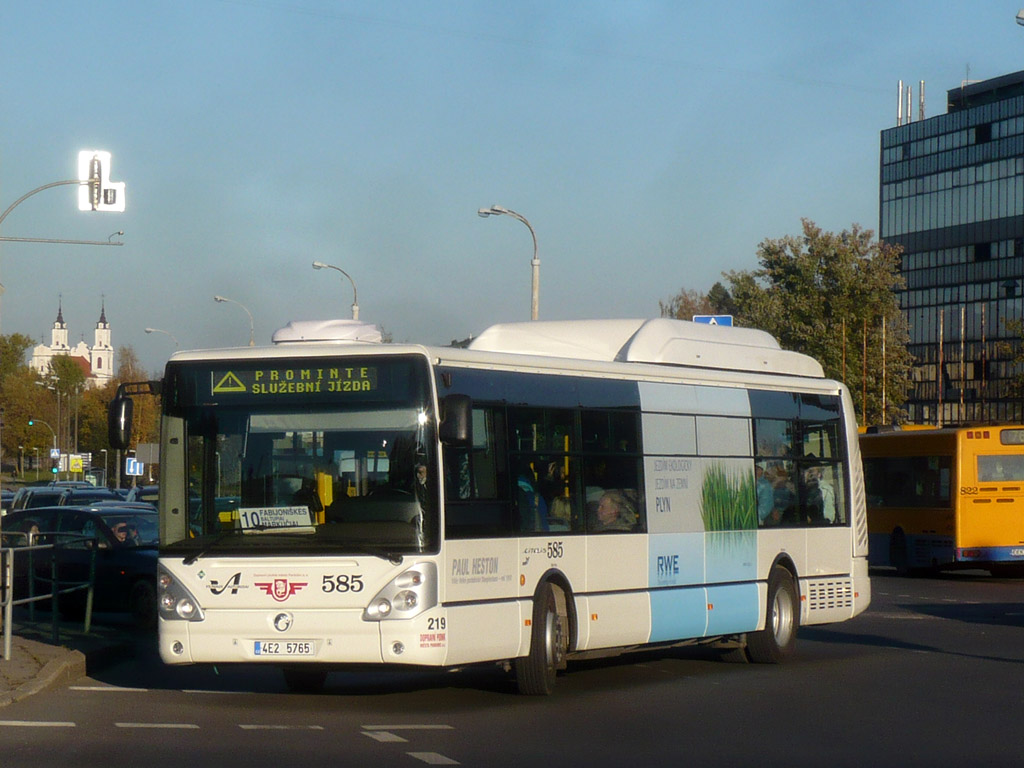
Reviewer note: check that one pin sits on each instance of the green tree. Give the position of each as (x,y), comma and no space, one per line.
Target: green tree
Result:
(689,302)
(22,398)
(829,295)
(12,354)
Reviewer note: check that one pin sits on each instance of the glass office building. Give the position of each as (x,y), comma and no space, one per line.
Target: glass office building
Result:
(952,195)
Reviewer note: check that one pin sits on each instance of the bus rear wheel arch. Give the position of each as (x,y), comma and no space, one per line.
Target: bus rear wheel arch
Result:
(549,642)
(777,641)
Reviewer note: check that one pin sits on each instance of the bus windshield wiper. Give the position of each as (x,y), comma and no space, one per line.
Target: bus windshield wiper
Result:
(365,549)
(204,550)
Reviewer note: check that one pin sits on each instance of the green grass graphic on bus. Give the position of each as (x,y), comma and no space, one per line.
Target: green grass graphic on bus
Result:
(727,500)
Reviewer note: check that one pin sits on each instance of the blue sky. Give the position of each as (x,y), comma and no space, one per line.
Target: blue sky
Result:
(652,146)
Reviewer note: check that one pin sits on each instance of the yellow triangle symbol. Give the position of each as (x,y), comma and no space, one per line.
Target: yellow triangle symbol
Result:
(230,383)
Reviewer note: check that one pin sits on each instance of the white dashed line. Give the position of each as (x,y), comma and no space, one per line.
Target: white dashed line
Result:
(107,689)
(412,727)
(433,758)
(185,726)
(383,736)
(35,724)
(246,727)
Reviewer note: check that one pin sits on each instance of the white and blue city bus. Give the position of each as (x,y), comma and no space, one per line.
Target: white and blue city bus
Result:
(555,490)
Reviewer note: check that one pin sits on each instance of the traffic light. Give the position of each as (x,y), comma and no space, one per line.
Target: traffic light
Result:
(55,466)
(31,422)
(97,192)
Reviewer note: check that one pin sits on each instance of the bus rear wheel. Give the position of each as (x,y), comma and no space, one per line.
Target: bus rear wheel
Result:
(777,641)
(535,672)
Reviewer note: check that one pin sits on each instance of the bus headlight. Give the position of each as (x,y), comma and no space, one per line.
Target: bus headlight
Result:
(407,595)
(176,603)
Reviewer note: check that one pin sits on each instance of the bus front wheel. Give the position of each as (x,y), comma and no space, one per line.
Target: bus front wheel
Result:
(777,641)
(535,672)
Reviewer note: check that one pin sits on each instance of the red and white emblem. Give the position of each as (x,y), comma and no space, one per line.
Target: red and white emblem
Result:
(281,589)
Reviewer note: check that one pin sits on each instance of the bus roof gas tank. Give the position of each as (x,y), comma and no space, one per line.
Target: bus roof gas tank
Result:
(298,331)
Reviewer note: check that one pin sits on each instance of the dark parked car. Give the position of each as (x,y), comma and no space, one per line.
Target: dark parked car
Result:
(59,495)
(124,538)
(148,493)
(37,496)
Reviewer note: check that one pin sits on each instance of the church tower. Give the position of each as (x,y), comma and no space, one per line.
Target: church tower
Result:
(101,356)
(96,362)
(59,334)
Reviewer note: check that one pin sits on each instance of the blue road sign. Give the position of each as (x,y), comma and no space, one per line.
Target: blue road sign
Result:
(713,319)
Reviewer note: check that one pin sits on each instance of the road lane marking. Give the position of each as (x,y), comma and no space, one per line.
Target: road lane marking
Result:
(411,727)
(433,758)
(157,725)
(384,736)
(35,724)
(107,688)
(257,727)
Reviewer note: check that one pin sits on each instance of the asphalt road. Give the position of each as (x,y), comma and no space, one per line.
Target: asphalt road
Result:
(932,674)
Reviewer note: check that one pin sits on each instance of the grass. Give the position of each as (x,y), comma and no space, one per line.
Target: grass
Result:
(727,501)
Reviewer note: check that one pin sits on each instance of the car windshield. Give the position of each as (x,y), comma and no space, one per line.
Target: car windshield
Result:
(132,529)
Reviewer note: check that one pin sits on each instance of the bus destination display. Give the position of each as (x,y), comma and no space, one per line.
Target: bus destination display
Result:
(294,381)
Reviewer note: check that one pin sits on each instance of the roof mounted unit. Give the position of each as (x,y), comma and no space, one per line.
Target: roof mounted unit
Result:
(327,330)
(661,340)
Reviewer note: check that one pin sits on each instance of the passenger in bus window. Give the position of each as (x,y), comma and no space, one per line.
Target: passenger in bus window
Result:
(533,511)
(783,498)
(420,486)
(614,512)
(560,514)
(552,484)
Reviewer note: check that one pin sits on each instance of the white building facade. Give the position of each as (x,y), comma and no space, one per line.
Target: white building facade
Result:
(96,361)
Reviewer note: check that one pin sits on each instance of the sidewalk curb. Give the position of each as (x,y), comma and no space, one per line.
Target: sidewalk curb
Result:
(61,671)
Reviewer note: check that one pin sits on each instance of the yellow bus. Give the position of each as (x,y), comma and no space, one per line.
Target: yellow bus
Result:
(946,497)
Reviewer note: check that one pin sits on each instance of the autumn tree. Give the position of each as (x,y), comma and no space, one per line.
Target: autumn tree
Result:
(689,302)
(146,417)
(833,296)
(23,398)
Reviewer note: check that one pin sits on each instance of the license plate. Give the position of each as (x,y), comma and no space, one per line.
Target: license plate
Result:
(284,648)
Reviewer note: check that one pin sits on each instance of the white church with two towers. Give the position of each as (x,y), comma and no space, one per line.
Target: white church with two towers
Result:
(96,361)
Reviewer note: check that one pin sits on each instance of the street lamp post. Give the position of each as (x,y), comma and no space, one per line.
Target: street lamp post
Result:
(497,210)
(33,422)
(166,333)
(355,295)
(252,331)
(106,480)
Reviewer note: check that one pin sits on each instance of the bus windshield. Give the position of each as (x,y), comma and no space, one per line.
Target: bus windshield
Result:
(332,459)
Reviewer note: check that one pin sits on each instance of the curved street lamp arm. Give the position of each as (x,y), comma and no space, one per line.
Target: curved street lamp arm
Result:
(27,195)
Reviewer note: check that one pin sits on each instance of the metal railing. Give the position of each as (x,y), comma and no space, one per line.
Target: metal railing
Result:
(59,542)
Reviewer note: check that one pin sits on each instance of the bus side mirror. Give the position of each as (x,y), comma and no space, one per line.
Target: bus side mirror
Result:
(456,426)
(119,421)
